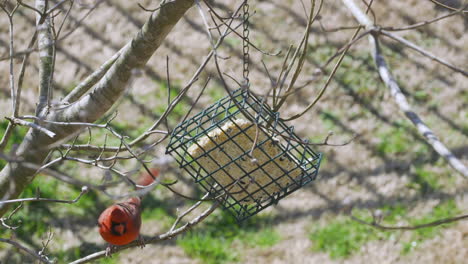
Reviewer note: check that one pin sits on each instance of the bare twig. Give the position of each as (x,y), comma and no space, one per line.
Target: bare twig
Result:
(25,249)
(325,141)
(38,12)
(327,83)
(375,224)
(64,18)
(84,190)
(411,45)
(300,54)
(17,121)
(14,97)
(186,88)
(333,72)
(427,22)
(45,243)
(12,51)
(186,212)
(446,6)
(24,63)
(6,136)
(152,240)
(52,9)
(4,219)
(91,80)
(228,26)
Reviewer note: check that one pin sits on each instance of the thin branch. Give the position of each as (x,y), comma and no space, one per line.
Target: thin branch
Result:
(84,190)
(335,68)
(188,211)
(24,63)
(304,44)
(38,12)
(336,29)
(25,249)
(4,219)
(183,91)
(6,136)
(400,98)
(12,51)
(45,244)
(446,6)
(152,240)
(52,9)
(80,21)
(13,94)
(345,47)
(427,22)
(325,141)
(91,80)
(375,224)
(228,26)
(64,18)
(328,81)
(413,46)
(17,121)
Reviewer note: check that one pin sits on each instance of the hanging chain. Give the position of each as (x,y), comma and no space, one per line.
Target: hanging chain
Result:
(245,42)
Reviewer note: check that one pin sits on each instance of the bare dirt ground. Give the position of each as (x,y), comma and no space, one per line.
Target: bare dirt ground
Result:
(364,173)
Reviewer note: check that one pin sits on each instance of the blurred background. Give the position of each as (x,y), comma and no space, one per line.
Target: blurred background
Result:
(387,169)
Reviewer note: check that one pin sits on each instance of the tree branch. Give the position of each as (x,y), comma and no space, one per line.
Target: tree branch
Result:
(17,121)
(375,224)
(91,80)
(46,56)
(30,252)
(166,236)
(84,190)
(398,95)
(411,45)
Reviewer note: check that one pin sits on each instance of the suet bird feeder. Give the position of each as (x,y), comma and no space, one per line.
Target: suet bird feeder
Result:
(240,152)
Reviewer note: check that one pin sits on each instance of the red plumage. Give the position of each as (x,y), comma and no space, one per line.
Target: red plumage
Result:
(120,223)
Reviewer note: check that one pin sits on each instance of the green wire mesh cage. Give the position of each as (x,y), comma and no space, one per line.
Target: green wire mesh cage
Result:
(240,152)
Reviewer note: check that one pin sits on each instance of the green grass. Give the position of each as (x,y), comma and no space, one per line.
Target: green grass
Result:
(355,72)
(233,41)
(424,180)
(343,237)
(328,119)
(35,219)
(180,109)
(208,248)
(399,140)
(159,214)
(15,139)
(216,93)
(394,141)
(421,96)
(443,210)
(221,240)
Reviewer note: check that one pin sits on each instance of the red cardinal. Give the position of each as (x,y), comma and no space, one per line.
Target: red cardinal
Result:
(120,223)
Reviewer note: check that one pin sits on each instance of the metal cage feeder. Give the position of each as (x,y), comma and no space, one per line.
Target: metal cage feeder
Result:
(240,152)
